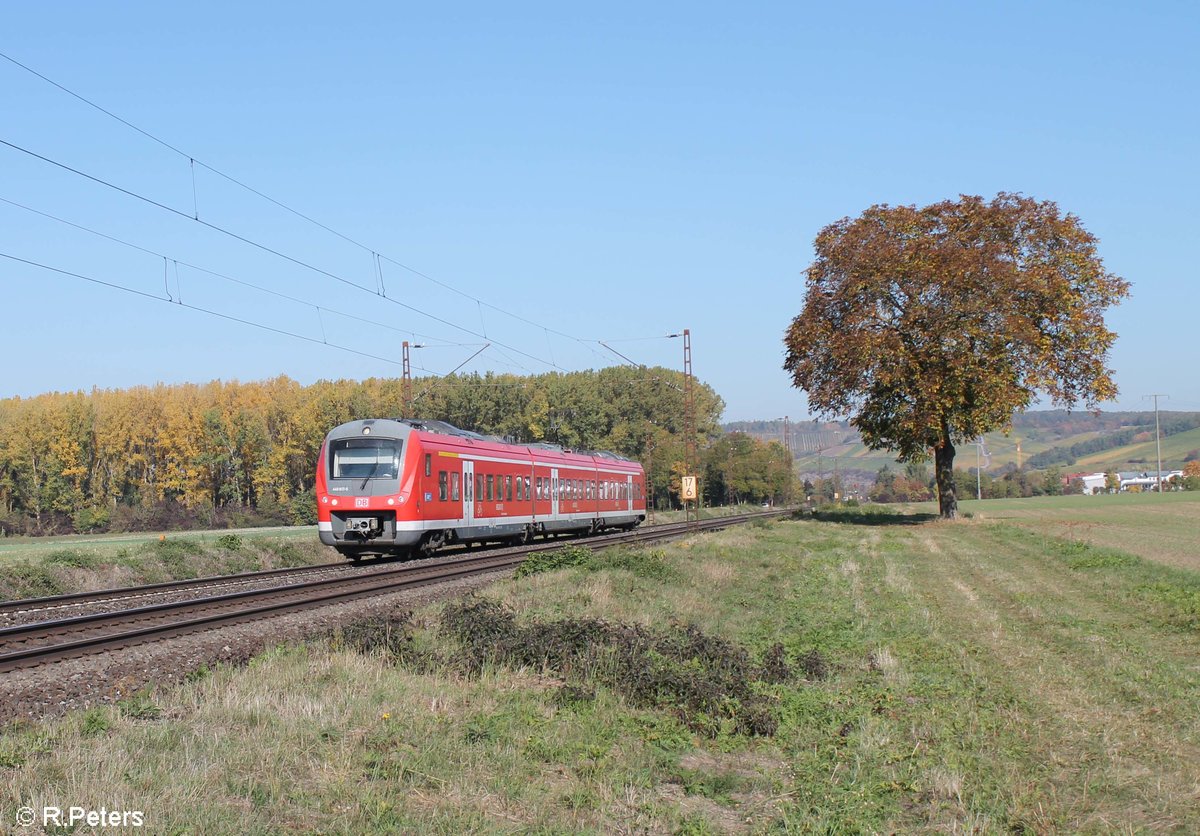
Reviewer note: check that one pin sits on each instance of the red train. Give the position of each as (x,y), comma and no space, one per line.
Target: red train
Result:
(402,486)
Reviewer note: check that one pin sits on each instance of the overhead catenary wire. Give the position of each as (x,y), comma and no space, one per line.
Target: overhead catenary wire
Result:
(181,303)
(224,277)
(177,300)
(193,161)
(274,252)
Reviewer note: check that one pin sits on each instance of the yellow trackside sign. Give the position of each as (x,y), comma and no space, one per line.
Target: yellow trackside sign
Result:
(688,488)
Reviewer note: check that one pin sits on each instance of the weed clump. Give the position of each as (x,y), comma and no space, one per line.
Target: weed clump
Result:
(74,558)
(139,707)
(390,637)
(712,684)
(550,561)
(1081,555)
(230,542)
(650,564)
(31,581)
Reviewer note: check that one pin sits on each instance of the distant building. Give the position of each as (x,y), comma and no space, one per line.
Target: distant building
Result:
(1146,480)
(1092,482)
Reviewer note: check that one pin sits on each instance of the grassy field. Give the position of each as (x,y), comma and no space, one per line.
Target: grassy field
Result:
(866,673)
(33,567)
(1162,528)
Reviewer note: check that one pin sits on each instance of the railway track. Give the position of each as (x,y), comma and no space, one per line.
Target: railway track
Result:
(32,644)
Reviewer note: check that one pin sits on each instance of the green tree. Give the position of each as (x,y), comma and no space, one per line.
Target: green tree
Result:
(931,326)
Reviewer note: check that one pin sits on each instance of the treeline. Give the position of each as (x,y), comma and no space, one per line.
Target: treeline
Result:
(916,484)
(245,453)
(1068,455)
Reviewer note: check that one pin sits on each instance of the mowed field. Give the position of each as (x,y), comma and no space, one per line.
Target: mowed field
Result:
(893,674)
(1164,529)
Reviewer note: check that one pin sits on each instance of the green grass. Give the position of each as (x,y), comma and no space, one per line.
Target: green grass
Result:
(35,568)
(1159,528)
(980,676)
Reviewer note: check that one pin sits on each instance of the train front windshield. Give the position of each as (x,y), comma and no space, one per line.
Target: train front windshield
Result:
(365,458)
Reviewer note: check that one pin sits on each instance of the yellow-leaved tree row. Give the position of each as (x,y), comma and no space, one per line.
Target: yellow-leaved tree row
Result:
(220,452)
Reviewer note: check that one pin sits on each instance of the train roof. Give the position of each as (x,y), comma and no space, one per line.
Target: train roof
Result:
(446,428)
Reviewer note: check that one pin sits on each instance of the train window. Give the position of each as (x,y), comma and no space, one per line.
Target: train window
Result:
(428,464)
(443,482)
(478,487)
(454,487)
(358,458)
(491,482)
(508,489)
(526,481)
(520,496)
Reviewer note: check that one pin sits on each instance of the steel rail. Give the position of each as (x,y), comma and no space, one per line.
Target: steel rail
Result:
(75,599)
(291,597)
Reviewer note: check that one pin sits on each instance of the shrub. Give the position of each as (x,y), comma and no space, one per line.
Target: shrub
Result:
(32,581)
(549,561)
(230,542)
(72,557)
(713,685)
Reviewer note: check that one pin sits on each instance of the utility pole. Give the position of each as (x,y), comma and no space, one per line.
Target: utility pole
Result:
(978,478)
(689,421)
(406,384)
(1157,435)
(787,446)
(650,473)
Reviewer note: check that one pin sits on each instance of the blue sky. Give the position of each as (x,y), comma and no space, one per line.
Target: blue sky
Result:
(614,172)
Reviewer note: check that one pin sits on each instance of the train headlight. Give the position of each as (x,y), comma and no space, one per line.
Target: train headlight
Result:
(391,501)
(324,500)
(366,430)
(334,502)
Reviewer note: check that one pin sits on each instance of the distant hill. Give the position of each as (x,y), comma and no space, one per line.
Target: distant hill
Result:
(1080,441)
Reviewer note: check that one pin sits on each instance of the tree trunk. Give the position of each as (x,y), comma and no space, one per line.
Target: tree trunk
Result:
(943,466)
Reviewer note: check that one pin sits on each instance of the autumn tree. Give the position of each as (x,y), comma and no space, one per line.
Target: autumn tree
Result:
(931,326)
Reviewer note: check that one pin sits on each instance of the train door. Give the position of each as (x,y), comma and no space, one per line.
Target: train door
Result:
(554,493)
(468,477)
(629,492)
